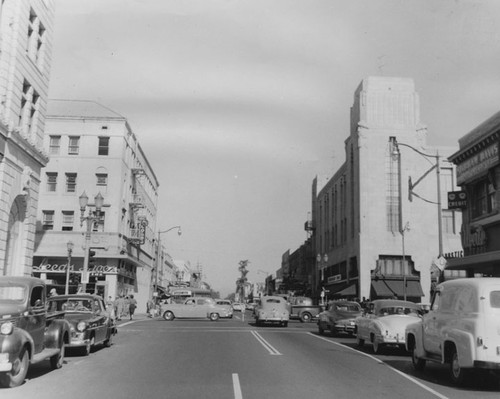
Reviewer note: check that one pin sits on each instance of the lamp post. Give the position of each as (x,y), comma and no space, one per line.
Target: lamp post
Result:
(179,232)
(397,153)
(322,260)
(91,218)
(70,246)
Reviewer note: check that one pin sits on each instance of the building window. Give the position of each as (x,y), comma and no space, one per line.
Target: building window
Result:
(54,144)
(103,146)
(98,225)
(448,221)
(68,218)
(102,181)
(48,220)
(36,38)
(74,145)
(392,199)
(483,198)
(70,182)
(29,107)
(51,182)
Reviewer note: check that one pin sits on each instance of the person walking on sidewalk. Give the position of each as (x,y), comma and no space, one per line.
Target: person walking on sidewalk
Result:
(132,306)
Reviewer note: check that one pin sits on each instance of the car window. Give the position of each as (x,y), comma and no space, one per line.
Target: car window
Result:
(273,300)
(495,299)
(201,302)
(190,302)
(449,298)
(466,301)
(37,298)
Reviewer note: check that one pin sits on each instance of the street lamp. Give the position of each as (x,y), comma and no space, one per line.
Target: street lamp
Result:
(322,260)
(91,218)
(397,153)
(70,247)
(179,232)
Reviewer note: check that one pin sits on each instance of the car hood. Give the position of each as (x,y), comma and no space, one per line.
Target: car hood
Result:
(75,318)
(395,323)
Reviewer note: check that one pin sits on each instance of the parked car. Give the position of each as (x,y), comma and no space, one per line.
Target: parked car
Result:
(237,306)
(195,307)
(303,309)
(272,309)
(385,322)
(28,334)
(462,328)
(91,324)
(225,303)
(339,317)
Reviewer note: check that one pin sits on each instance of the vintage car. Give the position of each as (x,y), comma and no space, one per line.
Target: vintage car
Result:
(302,308)
(385,322)
(237,306)
(462,328)
(339,317)
(91,324)
(225,303)
(195,308)
(28,334)
(272,309)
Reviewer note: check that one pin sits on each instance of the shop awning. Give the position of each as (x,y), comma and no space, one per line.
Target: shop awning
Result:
(389,288)
(477,263)
(347,291)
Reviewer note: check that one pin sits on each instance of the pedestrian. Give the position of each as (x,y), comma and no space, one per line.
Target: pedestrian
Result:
(150,308)
(53,292)
(126,306)
(110,307)
(132,305)
(119,307)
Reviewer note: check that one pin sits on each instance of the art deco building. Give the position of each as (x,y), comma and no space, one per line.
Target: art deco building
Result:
(377,228)
(25,59)
(94,151)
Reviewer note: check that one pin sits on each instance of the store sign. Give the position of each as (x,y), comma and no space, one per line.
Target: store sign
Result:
(457,200)
(478,164)
(48,268)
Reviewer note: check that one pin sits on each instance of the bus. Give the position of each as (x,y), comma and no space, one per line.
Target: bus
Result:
(180,294)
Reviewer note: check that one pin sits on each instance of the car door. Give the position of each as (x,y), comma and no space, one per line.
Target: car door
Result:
(201,308)
(101,320)
(36,318)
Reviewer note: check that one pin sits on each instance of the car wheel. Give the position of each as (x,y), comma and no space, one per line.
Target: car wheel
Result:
(214,316)
(360,342)
(168,315)
(109,341)
(457,373)
(377,347)
(418,364)
(16,376)
(56,361)
(285,324)
(305,317)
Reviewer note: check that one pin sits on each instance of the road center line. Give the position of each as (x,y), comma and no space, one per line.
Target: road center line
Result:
(432,391)
(265,344)
(237,387)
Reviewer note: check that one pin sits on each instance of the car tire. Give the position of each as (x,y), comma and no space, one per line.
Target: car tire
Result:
(17,375)
(418,363)
(458,374)
(360,342)
(109,341)
(378,348)
(284,324)
(214,316)
(306,317)
(168,315)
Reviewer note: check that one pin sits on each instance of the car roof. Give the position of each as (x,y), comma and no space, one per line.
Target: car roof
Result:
(75,296)
(21,280)
(380,303)
(472,282)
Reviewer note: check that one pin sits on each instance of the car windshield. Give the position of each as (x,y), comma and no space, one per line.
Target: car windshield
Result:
(400,310)
(495,299)
(70,305)
(348,307)
(273,300)
(12,293)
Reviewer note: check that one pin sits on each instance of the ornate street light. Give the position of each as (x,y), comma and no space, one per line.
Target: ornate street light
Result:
(70,247)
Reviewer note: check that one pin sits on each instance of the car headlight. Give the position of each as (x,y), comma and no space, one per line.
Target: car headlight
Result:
(6,328)
(81,326)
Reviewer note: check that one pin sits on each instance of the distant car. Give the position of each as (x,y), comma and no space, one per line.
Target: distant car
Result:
(227,304)
(385,323)
(195,308)
(91,324)
(272,309)
(250,306)
(237,306)
(339,317)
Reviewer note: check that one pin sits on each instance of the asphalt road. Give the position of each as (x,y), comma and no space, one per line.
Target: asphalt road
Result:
(233,359)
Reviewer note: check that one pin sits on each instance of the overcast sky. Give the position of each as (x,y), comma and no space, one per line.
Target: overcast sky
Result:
(238,105)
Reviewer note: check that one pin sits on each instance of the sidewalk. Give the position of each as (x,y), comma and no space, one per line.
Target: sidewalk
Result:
(137,317)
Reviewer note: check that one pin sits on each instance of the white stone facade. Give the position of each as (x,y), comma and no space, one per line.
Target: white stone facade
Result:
(26,32)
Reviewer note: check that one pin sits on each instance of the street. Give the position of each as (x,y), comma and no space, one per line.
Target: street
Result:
(153,358)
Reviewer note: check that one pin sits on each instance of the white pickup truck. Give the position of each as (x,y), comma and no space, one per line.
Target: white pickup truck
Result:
(462,328)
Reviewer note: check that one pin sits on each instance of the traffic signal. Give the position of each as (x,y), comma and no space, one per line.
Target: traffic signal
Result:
(91,258)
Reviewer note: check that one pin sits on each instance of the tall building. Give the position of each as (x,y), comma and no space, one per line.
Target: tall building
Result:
(26,32)
(93,151)
(377,228)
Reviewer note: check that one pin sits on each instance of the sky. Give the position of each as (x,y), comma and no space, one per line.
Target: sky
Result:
(238,105)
